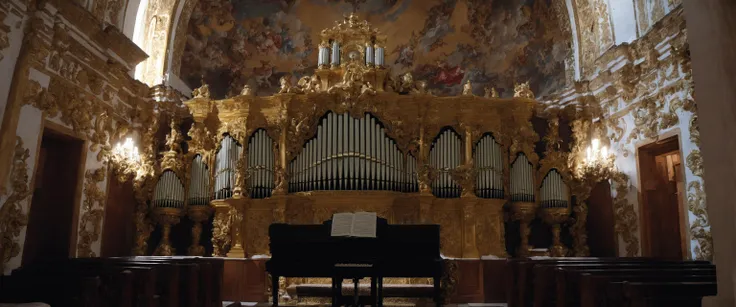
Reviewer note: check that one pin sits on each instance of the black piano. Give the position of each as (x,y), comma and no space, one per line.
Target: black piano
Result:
(397,251)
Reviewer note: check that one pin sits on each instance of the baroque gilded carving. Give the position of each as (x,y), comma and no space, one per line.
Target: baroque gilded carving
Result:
(13,217)
(93,208)
(626,223)
(700,228)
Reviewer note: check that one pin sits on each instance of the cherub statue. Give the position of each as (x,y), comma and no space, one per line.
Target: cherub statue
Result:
(407,82)
(202,91)
(309,84)
(421,87)
(367,89)
(490,92)
(247,91)
(173,139)
(285,83)
(522,90)
(468,88)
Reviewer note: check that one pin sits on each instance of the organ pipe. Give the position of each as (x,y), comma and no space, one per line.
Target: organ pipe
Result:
(553,193)
(489,165)
(225,167)
(261,160)
(446,154)
(169,191)
(199,184)
(348,154)
(522,179)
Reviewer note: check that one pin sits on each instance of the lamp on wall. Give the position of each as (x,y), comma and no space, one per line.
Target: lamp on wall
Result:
(126,160)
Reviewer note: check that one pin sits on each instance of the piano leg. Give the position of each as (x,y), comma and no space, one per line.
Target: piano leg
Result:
(374,296)
(356,294)
(380,291)
(437,291)
(275,290)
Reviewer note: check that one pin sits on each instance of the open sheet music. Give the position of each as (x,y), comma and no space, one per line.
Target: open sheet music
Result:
(359,224)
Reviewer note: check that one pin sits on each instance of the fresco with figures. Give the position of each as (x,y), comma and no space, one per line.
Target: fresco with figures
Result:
(445,42)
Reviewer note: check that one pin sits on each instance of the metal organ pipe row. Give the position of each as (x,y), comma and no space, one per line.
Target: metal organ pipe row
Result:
(446,154)
(225,167)
(199,184)
(260,165)
(553,193)
(350,154)
(169,191)
(522,179)
(488,161)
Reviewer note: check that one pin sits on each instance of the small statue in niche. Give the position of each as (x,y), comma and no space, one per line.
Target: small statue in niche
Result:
(468,88)
(490,92)
(522,90)
(202,91)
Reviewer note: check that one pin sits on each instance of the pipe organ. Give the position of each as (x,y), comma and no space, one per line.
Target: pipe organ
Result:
(351,154)
(445,155)
(553,192)
(260,164)
(199,183)
(488,161)
(169,191)
(522,179)
(352,138)
(226,162)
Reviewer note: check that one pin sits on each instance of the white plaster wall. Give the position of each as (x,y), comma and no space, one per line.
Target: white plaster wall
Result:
(575,42)
(623,17)
(10,57)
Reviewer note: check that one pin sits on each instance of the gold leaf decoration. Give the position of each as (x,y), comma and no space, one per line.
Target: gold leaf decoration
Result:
(93,208)
(700,228)
(12,215)
(626,220)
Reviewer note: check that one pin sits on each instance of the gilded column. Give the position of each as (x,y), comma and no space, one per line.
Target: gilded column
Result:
(425,178)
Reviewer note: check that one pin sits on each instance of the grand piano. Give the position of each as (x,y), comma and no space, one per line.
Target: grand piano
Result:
(397,251)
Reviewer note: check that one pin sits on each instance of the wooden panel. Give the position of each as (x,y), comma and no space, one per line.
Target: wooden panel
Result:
(601,236)
(118,229)
(244,280)
(469,288)
(495,279)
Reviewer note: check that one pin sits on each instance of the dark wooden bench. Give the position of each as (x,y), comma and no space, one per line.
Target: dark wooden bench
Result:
(593,287)
(520,287)
(54,290)
(563,288)
(669,294)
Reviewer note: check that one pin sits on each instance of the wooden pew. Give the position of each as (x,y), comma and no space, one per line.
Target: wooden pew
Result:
(593,286)
(522,286)
(669,294)
(120,285)
(210,277)
(566,278)
(55,290)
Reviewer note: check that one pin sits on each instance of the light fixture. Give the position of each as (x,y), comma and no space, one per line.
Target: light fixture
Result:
(126,159)
(598,160)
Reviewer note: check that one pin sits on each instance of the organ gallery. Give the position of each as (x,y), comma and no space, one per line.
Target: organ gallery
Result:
(369,152)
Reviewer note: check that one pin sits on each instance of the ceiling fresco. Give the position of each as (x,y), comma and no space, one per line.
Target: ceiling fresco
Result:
(445,42)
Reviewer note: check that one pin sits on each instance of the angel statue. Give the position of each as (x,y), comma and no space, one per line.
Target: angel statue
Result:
(522,90)
(202,91)
(490,92)
(468,88)
(286,87)
(247,91)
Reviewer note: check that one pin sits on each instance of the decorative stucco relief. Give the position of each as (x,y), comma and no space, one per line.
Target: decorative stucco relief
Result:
(595,31)
(92,212)
(645,89)
(14,210)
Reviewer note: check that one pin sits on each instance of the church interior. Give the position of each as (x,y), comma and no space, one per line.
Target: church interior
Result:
(367,152)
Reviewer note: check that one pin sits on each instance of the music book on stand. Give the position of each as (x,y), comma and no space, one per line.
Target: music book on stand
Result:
(358,224)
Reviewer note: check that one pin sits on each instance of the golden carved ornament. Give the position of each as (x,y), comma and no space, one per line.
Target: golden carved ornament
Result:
(12,215)
(465,176)
(626,221)
(4,38)
(221,228)
(522,90)
(93,208)
(700,228)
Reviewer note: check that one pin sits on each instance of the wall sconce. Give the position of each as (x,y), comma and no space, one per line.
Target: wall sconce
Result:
(126,160)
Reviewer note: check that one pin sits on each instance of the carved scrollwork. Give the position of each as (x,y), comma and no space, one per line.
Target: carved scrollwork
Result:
(13,217)
(93,207)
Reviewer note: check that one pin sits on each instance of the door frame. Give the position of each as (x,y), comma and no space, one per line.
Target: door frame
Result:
(683,211)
